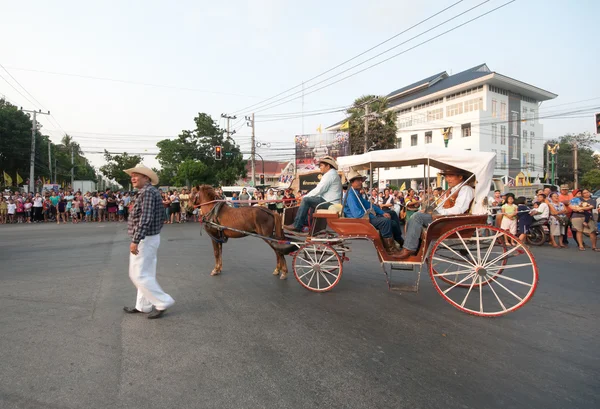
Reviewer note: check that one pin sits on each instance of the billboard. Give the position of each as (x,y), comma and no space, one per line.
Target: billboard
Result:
(309,148)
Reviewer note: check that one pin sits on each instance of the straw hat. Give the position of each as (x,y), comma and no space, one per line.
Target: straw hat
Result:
(329,160)
(144,170)
(354,175)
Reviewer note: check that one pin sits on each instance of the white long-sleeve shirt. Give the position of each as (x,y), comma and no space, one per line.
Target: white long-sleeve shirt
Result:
(329,187)
(463,201)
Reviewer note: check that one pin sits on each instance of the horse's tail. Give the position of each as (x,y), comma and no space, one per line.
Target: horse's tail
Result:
(278,226)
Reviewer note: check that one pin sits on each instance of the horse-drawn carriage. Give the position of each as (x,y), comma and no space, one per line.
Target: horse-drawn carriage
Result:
(471,264)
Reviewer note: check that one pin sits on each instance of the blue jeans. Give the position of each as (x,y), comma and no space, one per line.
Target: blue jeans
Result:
(310,202)
(387,227)
(414,228)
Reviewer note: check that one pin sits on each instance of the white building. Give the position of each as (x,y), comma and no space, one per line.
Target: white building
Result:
(486,111)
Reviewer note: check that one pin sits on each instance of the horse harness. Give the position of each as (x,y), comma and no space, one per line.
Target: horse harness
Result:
(211,220)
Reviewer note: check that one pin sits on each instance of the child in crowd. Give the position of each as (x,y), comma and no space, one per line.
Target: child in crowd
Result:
(89,210)
(27,207)
(121,211)
(20,211)
(74,211)
(11,210)
(576,202)
(62,211)
(46,206)
(3,210)
(509,217)
(524,219)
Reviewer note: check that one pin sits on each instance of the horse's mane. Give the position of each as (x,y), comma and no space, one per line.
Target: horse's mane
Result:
(208,192)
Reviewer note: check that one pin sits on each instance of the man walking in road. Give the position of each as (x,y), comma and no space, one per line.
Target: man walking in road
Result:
(144,227)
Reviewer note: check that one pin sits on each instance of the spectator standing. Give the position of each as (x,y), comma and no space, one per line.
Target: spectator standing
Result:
(94,201)
(11,210)
(126,201)
(111,205)
(581,213)
(565,198)
(412,204)
(509,216)
(166,205)
(558,220)
(54,199)
(235,200)
(38,204)
(279,204)
(62,211)
(524,219)
(102,208)
(20,210)
(175,207)
(3,210)
(244,196)
(271,197)
(184,200)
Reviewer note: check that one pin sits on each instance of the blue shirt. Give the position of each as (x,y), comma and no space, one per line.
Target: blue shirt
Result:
(353,207)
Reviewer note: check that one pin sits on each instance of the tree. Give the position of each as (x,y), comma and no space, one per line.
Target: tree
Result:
(190,157)
(586,160)
(116,164)
(382,124)
(591,179)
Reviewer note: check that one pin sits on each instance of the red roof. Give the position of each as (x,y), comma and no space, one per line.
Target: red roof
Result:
(271,167)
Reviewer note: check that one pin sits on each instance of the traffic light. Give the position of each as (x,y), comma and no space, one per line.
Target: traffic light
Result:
(218,152)
(598,124)
(262,179)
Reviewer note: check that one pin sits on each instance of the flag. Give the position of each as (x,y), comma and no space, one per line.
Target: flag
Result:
(403,187)
(319,129)
(7,179)
(19,179)
(345,125)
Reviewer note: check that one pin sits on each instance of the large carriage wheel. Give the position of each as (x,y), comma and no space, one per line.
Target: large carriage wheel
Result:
(317,267)
(511,274)
(458,250)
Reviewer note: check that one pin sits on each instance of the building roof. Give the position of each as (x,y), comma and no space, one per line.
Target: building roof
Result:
(271,167)
(442,81)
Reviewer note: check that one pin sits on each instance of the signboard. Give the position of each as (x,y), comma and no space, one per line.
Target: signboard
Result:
(49,187)
(308,181)
(309,148)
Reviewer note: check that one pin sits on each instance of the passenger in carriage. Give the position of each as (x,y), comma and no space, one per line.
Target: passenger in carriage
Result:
(329,189)
(455,201)
(356,207)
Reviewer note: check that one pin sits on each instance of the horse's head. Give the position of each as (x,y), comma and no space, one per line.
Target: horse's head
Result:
(203,195)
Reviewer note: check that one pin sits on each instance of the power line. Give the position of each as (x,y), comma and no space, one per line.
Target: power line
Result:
(351,59)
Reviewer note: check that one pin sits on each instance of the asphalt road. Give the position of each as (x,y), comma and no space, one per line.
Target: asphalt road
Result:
(246,339)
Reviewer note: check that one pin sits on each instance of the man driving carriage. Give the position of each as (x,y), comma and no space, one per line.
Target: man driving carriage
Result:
(455,201)
(329,189)
(356,207)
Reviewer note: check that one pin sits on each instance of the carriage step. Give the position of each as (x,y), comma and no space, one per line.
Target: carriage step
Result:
(408,283)
(405,288)
(403,267)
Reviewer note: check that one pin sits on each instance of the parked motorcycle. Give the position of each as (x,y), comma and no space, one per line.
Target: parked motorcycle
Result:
(539,232)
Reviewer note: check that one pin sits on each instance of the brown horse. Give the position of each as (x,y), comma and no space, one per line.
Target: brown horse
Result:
(258,220)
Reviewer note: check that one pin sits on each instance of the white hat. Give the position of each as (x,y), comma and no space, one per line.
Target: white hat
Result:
(330,161)
(354,175)
(144,170)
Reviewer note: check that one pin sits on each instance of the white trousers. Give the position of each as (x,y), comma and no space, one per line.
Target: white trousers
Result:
(142,272)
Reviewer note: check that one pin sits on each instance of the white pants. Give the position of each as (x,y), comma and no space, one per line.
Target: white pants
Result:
(142,272)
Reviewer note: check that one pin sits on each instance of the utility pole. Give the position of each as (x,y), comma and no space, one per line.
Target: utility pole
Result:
(366,128)
(50,159)
(547,161)
(575,170)
(250,122)
(72,168)
(228,118)
(32,158)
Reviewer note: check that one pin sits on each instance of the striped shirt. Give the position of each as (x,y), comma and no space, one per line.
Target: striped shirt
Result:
(148,214)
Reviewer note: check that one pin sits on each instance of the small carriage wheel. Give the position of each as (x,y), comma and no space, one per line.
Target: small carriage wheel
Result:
(449,252)
(511,275)
(317,267)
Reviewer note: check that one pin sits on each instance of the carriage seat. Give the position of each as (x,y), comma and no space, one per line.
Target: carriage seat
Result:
(333,209)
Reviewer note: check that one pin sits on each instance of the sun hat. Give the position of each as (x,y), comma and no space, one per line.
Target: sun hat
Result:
(353,174)
(144,170)
(329,160)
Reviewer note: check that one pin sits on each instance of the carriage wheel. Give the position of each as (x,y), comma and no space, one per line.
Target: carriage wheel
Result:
(511,274)
(317,267)
(457,250)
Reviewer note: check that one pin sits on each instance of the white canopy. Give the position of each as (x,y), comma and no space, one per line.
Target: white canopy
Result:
(481,164)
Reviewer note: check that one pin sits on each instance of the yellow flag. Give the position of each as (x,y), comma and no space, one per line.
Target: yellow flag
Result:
(7,179)
(319,129)
(403,187)
(345,125)
(19,179)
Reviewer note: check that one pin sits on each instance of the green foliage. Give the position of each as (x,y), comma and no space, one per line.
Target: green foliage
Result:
(116,164)
(591,179)
(15,149)
(189,157)
(382,126)
(564,157)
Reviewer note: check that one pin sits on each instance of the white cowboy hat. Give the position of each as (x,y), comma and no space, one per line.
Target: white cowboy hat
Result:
(329,160)
(144,170)
(354,175)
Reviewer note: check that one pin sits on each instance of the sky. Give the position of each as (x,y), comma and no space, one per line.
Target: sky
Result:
(156,64)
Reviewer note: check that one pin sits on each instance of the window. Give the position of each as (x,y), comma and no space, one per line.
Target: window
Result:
(531,162)
(503,159)
(399,143)
(413,140)
(428,137)
(474,105)
(533,118)
(531,137)
(514,140)
(524,115)
(494,134)
(494,108)
(464,93)
(404,122)
(466,130)
(454,109)
(503,111)
(435,114)
(524,139)
(428,104)
(514,123)
(502,135)
(525,163)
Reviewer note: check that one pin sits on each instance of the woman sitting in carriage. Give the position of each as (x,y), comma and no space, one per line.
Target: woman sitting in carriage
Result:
(455,201)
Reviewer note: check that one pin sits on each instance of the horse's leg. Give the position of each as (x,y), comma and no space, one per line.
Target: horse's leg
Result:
(278,266)
(282,265)
(217,250)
